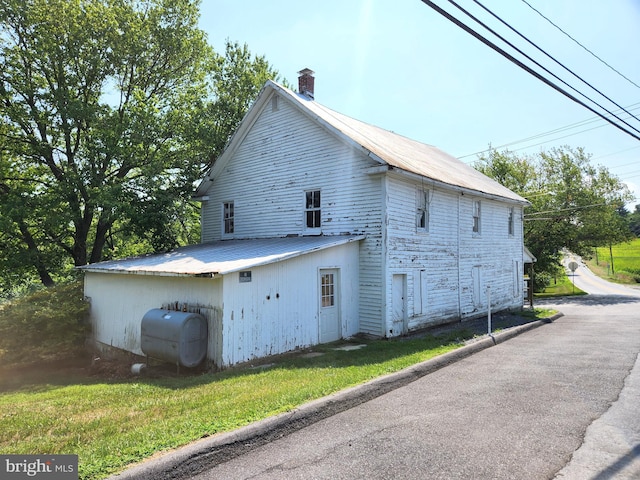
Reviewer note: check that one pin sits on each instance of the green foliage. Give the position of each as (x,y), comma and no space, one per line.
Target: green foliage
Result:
(625,258)
(234,80)
(109,113)
(634,221)
(574,205)
(559,286)
(51,323)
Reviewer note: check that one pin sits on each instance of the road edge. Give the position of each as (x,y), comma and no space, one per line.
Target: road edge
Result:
(197,456)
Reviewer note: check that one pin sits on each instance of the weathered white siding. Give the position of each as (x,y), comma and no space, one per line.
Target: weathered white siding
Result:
(448,267)
(283,155)
(274,313)
(119,301)
(397,279)
(278,310)
(492,255)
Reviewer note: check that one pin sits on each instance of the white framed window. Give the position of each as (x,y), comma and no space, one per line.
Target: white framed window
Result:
(476,216)
(312,210)
(423,207)
(510,221)
(228,218)
(328,294)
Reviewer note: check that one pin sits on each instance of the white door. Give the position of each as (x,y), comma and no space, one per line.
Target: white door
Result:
(399,302)
(329,306)
(476,279)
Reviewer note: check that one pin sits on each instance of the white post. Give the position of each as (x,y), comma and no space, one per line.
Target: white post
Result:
(489,311)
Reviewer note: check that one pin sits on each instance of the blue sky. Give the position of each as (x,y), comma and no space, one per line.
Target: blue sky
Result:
(400,65)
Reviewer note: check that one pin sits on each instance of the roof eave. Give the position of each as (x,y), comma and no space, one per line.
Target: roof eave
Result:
(340,241)
(326,125)
(234,140)
(259,261)
(463,190)
(151,273)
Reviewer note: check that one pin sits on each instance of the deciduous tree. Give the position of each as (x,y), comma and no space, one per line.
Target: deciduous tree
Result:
(109,112)
(574,205)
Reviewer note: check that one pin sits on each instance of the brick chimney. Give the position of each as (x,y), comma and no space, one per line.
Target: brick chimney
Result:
(305,82)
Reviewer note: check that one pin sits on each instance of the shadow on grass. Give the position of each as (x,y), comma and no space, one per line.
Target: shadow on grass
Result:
(437,340)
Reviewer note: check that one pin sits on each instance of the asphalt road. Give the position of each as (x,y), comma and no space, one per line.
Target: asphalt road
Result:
(558,401)
(585,280)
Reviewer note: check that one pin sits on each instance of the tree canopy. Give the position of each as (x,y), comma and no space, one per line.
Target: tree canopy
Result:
(574,204)
(110,110)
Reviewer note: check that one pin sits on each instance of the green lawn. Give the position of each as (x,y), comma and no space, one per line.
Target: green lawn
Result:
(113,423)
(562,286)
(626,263)
(110,424)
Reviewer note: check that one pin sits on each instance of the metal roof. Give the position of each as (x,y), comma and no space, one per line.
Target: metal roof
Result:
(222,257)
(384,146)
(402,152)
(528,256)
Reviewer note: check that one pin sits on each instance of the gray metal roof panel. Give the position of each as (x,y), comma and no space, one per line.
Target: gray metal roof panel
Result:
(222,257)
(405,153)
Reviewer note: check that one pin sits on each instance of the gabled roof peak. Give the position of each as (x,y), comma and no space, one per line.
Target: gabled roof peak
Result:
(386,147)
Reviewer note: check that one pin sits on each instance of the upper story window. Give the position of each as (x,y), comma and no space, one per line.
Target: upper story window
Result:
(476,216)
(510,221)
(423,201)
(228,218)
(312,211)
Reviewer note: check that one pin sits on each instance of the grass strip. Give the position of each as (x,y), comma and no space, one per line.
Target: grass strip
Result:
(561,286)
(626,263)
(111,424)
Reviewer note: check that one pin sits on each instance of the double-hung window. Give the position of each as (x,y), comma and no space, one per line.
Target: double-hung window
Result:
(476,216)
(228,218)
(510,221)
(312,210)
(422,210)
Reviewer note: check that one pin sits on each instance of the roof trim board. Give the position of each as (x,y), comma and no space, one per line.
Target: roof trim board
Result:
(221,257)
(382,146)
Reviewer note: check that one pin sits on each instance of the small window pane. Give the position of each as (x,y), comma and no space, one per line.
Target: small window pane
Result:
(511,221)
(327,293)
(476,216)
(228,214)
(422,210)
(312,209)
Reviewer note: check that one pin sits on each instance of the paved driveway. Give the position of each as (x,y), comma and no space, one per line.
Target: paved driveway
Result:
(516,410)
(587,281)
(557,401)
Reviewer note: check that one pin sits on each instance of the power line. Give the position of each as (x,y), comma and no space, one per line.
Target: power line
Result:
(555,60)
(580,44)
(635,162)
(529,146)
(568,209)
(522,65)
(554,131)
(525,67)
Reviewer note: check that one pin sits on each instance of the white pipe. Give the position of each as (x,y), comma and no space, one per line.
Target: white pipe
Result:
(137,368)
(489,311)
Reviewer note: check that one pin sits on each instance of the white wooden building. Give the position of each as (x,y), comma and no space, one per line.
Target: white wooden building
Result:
(390,235)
